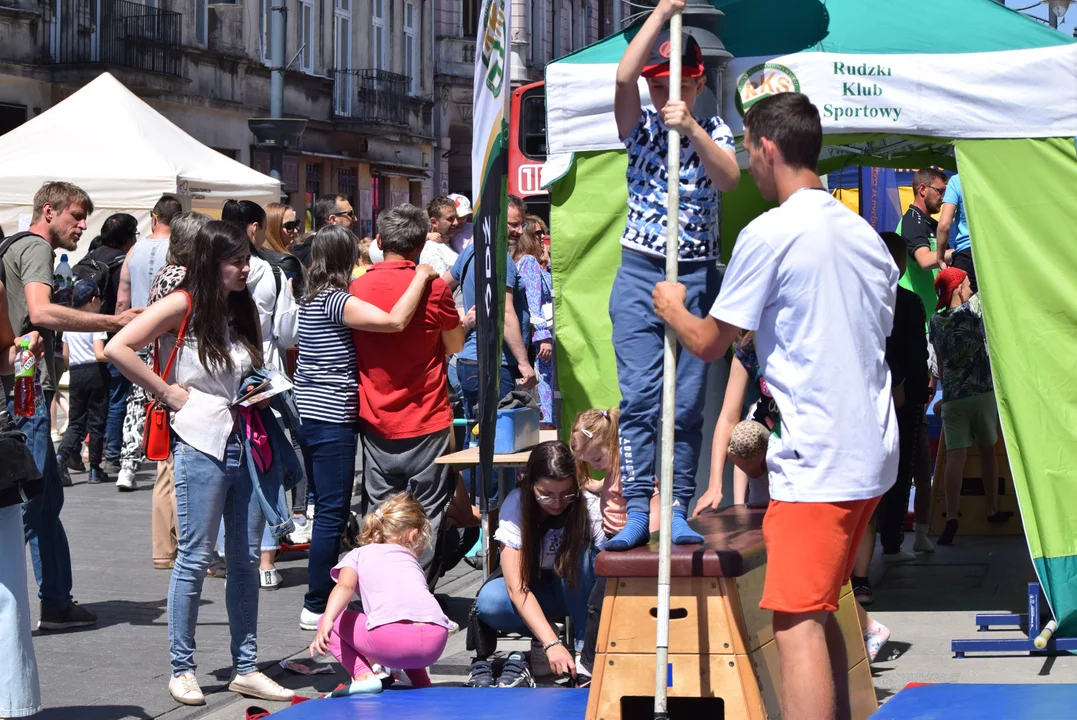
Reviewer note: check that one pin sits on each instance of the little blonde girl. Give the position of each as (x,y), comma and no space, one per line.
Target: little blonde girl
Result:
(402,625)
(594,441)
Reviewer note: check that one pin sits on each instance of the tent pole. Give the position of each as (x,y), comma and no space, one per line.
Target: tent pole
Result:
(669,383)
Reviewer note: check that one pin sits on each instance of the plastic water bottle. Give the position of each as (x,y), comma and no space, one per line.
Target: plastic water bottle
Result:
(25,393)
(64,276)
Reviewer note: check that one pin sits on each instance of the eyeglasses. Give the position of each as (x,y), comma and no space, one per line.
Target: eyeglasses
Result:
(291,225)
(348,213)
(551,499)
(940,191)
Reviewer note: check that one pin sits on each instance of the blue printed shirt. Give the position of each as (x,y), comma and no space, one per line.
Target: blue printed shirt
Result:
(648,183)
(960,239)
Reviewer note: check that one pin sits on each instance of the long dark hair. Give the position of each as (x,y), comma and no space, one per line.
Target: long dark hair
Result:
(217,242)
(554,460)
(334,251)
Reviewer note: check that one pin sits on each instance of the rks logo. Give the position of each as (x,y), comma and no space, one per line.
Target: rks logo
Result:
(763,81)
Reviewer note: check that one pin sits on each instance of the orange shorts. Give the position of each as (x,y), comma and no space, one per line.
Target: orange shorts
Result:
(811,548)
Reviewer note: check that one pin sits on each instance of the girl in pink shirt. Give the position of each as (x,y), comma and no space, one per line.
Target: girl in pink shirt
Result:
(403,625)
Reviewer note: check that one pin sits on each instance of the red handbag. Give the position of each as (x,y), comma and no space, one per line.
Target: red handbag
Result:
(157,432)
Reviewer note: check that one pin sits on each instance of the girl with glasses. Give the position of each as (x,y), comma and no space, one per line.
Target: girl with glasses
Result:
(548,529)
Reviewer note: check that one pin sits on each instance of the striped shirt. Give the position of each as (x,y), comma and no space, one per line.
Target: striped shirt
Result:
(326,376)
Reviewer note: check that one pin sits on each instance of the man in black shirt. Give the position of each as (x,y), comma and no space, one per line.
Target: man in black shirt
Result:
(918,229)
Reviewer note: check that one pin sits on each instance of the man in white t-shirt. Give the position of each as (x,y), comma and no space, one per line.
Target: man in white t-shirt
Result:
(817,285)
(436,252)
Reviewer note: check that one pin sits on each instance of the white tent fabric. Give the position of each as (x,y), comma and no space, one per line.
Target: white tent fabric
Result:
(123,153)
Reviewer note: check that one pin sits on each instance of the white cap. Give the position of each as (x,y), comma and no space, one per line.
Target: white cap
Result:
(463,205)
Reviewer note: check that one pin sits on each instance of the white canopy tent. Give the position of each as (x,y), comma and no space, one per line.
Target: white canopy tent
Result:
(123,153)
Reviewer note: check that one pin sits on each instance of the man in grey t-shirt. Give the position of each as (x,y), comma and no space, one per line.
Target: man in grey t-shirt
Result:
(59,219)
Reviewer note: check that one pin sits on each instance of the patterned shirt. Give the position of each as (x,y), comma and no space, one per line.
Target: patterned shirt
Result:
(766,410)
(958,337)
(326,374)
(648,183)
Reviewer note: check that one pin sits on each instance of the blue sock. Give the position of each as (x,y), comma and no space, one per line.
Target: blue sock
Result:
(682,534)
(634,534)
(369,686)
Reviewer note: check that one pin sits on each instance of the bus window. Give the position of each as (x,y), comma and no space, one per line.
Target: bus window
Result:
(533,126)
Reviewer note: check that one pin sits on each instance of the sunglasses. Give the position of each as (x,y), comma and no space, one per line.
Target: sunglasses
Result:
(291,225)
(347,213)
(940,191)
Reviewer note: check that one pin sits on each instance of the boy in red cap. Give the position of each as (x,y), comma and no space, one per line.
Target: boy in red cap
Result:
(708,164)
(968,393)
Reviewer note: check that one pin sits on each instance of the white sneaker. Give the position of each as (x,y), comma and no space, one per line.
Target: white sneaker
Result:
(901,556)
(302,532)
(185,690)
(259,686)
(923,544)
(269,579)
(125,481)
(56,438)
(308,620)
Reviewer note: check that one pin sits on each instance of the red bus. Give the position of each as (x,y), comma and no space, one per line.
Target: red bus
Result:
(527,147)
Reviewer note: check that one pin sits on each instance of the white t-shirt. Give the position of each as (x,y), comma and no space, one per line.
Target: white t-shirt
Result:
(817,285)
(437,255)
(80,347)
(278,313)
(508,528)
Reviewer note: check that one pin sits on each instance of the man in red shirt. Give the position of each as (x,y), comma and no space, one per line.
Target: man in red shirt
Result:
(404,410)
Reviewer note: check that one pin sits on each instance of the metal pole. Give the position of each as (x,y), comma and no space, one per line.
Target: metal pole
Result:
(618,16)
(669,383)
(276,78)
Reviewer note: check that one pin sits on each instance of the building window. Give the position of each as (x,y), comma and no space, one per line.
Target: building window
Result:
(411,47)
(263,26)
(470,16)
(314,183)
(347,184)
(379,36)
(201,22)
(343,56)
(306,34)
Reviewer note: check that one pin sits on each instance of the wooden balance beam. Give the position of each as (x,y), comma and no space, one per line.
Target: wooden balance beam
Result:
(723,661)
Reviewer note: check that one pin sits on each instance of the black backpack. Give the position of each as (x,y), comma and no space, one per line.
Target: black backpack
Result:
(100,272)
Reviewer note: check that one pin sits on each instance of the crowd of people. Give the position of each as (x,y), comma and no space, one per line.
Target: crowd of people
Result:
(200,312)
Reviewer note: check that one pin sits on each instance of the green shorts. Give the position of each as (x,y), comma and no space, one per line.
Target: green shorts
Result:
(968,418)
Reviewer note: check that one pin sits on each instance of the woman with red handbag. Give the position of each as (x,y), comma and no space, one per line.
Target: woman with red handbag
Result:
(215,327)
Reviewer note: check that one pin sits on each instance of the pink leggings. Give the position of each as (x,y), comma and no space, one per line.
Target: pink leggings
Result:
(407,645)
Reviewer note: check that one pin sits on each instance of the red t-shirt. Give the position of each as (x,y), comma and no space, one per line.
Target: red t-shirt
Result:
(403,386)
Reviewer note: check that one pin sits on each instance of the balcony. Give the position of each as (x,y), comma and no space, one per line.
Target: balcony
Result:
(117,33)
(371,96)
(456,58)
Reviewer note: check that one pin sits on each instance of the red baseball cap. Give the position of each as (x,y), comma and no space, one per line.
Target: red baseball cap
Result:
(658,61)
(946,282)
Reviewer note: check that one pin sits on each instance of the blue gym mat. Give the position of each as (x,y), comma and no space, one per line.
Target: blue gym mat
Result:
(976,702)
(447,703)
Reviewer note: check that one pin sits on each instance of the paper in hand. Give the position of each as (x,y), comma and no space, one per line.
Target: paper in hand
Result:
(275,384)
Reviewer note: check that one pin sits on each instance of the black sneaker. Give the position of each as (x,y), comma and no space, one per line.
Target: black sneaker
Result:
(74,462)
(72,616)
(948,532)
(480,674)
(97,476)
(862,590)
(65,475)
(516,672)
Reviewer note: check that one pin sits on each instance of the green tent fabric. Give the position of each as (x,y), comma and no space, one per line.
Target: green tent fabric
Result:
(1021,204)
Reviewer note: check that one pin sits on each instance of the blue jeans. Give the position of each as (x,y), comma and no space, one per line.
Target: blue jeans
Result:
(329,458)
(117,408)
(468,374)
(637,343)
(555,597)
(206,489)
(20,692)
(49,551)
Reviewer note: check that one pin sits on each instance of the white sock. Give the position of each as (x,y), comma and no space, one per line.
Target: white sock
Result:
(920,528)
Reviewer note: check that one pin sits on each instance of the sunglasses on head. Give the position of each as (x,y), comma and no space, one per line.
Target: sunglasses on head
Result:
(291,225)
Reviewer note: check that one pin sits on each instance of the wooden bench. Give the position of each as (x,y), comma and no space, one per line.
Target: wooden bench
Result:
(723,661)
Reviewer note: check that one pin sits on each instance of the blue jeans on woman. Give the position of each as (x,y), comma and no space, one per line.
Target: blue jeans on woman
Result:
(555,597)
(206,490)
(20,691)
(329,458)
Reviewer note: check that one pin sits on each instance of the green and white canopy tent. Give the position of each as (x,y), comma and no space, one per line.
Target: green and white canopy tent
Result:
(898,84)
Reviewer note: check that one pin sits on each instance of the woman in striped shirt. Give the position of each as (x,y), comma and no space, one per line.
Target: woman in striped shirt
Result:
(327,392)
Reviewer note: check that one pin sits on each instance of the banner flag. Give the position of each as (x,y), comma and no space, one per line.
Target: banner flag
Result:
(489,172)
(879,201)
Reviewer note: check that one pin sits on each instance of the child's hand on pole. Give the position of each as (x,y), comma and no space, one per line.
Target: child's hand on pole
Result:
(678,116)
(666,8)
